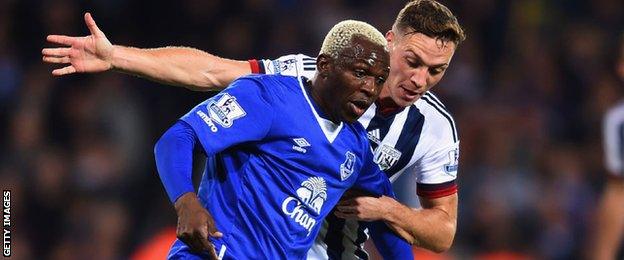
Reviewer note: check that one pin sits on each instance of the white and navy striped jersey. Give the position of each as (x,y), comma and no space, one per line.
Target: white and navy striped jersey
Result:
(420,140)
(613,138)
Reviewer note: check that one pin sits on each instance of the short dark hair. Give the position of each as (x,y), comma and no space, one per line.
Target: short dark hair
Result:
(430,18)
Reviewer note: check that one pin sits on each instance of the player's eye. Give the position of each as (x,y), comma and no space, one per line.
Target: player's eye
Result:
(380,80)
(412,63)
(359,73)
(436,71)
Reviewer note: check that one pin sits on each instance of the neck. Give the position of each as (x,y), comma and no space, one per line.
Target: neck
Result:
(385,104)
(315,90)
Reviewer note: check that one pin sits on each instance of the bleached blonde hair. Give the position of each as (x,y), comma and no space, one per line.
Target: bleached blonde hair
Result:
(339,37)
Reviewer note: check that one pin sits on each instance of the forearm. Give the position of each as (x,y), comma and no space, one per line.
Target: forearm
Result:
(432,228)
(179,66)
(609,229)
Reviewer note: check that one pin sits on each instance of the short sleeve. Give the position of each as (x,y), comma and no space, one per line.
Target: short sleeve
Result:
(241,113)
(437,171)
(294,65)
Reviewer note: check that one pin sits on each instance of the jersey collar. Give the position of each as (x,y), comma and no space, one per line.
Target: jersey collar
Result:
(329,128)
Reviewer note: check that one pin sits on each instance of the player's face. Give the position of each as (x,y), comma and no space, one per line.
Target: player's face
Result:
(358,77)
(417,63)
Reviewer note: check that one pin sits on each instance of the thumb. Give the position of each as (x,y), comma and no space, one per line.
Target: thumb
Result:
(93,28)
(212,231)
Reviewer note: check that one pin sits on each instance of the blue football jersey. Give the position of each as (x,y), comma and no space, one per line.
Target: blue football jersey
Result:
(277,167)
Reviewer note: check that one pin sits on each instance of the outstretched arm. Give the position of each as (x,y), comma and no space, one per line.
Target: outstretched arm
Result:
(179,66)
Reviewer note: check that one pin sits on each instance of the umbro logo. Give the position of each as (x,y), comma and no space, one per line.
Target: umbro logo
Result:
(300,145)
(374,136)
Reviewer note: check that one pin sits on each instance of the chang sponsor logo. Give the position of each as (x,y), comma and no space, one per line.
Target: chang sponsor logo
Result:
(311,197)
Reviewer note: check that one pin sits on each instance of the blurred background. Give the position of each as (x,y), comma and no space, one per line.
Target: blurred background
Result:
(527,89)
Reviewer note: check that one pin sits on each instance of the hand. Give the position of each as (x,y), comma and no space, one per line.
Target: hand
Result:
(195,224)
(365,208)
(91,53)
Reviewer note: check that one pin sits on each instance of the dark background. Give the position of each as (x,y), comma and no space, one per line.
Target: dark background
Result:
(527,89)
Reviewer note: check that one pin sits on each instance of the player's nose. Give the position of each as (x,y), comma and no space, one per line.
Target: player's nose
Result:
(368,86)
(419,77)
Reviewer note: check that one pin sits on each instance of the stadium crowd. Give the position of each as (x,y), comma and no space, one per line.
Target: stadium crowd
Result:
(527,89)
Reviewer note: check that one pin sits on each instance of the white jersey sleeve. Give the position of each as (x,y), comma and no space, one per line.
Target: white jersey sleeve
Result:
(437,154)
(295,65)
(613,139)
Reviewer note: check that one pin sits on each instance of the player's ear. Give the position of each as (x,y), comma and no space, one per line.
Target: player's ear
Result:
(324,64)
(390,36)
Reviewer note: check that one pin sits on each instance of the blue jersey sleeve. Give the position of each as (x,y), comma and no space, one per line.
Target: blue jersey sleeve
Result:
(388,244)
(375,182)
(240,113)
(174,159)
(371,179)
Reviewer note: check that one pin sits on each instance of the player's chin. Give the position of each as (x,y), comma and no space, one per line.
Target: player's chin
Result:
(350,118)
(404,101)
(352,112)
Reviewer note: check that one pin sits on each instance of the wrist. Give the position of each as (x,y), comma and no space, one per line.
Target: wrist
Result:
(186,200)
(115,58)
(392,210)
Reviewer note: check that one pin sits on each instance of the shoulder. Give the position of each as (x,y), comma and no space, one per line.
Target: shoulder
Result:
(438,120)
(274,88)
(268,79)
(292,65)
(360,133)
(267,82)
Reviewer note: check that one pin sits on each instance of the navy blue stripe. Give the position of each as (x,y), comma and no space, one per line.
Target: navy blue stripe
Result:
(435,99)
(361,238)
(313,63)
(306,59)
(261,67)
(309,68)
(333,238)
(408,139)
(381,122)
(443,113)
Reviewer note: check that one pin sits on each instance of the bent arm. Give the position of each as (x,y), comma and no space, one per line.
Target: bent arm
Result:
(174,159)
(174,155)
(179,66)
(432,227)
